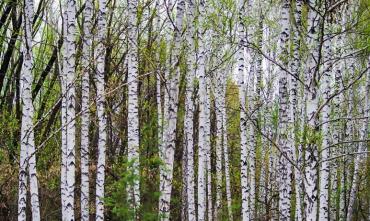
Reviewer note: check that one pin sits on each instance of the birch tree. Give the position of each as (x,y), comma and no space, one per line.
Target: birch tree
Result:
(133,110)
(100,106)
(202,118)
(325,151)
(68,112)
(243,120)
(219,137)
(286,121)
(86,59)
(311,97)
(27,150)
(170,115)
(189,113)
(293,95)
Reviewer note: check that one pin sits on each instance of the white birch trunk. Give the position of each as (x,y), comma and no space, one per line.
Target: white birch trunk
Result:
(243,121)
(85,121)
(285,140)
(100,105)
(68,112)
(295,68)
(189,114)
(202,151)
(133,109)
(251,140)
(251,92)
(208,155)
(27,153)
(218,109)
(311,152)
(170,115)
(325,151)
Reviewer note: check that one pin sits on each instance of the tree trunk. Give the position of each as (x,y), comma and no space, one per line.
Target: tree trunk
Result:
(68,112)
(189,114)
(100,106)
(285,140)
(27,154)
(133,109)
(202,151)
(85,119)
(325,147)
(311,97)
(170,114)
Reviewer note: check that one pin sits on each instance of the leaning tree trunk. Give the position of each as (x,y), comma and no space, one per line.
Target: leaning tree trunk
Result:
(133,109)
(27,153)
(86,59)
(100,106)
(170,115)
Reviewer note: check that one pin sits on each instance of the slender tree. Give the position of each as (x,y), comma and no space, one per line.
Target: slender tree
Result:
(293,96)
(202,141)
(133,109)
(286,141)
(27,152)
(189,113)
(68,111)
(100,105)
(219,137)
(170,112)
(325,151)
(85,88)
(243,124)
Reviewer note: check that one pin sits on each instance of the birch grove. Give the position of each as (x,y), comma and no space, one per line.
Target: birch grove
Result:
(184,110)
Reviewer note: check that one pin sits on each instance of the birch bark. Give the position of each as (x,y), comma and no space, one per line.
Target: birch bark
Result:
(325,151)
(293,95)
(243,121)
(100,105)
(133,109)
(27,153)
(208,151)
(286,141)
(202,151)
(68,112)
(218,109)
(251,92)
(189,113)
(86,59)
(170,114)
